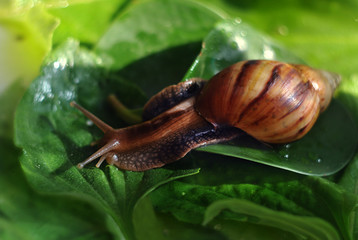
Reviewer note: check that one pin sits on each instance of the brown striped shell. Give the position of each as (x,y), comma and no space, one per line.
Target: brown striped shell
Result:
(272,101)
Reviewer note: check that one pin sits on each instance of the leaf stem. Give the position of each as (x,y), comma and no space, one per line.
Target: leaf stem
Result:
(124,113)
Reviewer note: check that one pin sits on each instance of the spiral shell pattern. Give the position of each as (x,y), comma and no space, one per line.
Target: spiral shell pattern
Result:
(272,101)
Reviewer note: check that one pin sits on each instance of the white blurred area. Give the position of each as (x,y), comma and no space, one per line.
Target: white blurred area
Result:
(7,59)
(19,61)
(25,38)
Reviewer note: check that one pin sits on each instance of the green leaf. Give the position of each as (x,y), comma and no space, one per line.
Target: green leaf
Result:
(304,227)
(54,139)
(325,150)
(9,100)
(77,20)
(146,227)
(52,147)
(222,178)
(321,32)
(146,49)
(178,230)
(349,179)
(25,214)
(232,41)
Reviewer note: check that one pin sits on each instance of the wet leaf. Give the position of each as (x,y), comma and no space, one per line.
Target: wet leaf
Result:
(55,137)
(305,227)
(325,150)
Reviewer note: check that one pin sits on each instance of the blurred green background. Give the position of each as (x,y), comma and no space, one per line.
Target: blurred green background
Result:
(324,33)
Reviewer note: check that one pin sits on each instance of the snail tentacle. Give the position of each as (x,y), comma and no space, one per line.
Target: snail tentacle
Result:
(102,152)
(98,122)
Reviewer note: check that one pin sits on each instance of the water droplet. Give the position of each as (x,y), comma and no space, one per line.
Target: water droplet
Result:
(39,97)
(282,30)
(287,146)
(319,160)
(183,193)
(89,123)
(76,80)
(38,166)
(233,45)
(238,20)
(241,43)
(50,95)
(217,227)
(268,52)
(243,33)
(56,65)
(287,156)
(67,95)
(60,64)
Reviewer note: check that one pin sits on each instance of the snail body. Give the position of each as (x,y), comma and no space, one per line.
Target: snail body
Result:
(272,101)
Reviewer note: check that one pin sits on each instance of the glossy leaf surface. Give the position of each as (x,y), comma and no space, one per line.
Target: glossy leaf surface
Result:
(325,150)
(55,137)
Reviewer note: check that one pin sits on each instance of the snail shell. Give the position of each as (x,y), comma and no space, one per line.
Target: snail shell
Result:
(272,101)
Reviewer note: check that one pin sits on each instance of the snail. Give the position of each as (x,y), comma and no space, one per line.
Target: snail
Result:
(272,101)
